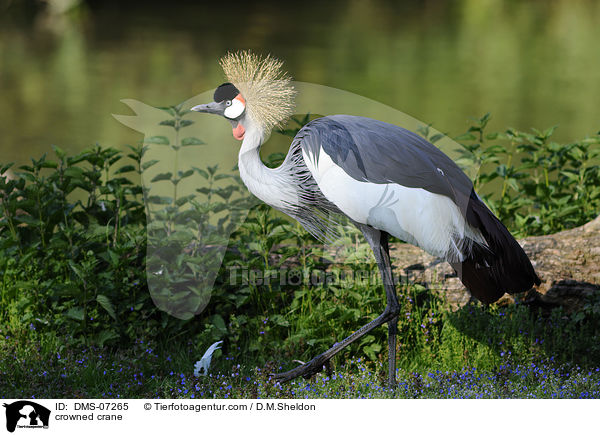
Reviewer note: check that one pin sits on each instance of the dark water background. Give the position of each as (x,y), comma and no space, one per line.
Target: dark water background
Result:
(530,63)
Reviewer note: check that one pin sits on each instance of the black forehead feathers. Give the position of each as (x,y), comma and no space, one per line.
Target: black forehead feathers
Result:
(225,92)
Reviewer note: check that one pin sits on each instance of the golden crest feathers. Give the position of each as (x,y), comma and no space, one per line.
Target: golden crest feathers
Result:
(267,89)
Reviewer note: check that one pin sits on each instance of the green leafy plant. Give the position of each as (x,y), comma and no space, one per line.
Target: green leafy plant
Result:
(534,185)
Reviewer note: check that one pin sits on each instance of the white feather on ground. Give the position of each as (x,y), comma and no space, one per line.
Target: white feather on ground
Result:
(204,363)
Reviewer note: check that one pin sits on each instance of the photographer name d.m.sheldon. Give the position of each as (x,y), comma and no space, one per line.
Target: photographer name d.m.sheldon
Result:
(284,406)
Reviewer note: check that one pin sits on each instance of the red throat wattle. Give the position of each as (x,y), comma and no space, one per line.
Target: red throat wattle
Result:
(239,131)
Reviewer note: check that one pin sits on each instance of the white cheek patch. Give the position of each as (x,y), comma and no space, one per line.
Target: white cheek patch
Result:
(235,110)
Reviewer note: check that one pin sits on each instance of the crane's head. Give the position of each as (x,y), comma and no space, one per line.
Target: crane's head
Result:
(257,95)
(230,104)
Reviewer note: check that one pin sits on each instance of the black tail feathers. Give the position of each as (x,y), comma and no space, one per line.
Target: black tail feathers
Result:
(502,266)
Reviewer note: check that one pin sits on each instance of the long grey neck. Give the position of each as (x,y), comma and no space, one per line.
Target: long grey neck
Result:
(273,186)
(289,188)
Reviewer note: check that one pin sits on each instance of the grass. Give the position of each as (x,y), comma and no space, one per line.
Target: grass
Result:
(143,372)
(503,353)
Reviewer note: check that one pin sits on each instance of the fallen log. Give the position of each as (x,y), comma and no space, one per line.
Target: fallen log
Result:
(568,263)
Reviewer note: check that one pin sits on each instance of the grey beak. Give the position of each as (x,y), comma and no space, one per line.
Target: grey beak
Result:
(216,108)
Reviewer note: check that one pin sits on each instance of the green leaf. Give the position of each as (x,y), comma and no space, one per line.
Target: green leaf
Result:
(49,164)
(512,183)
(74,172)
(28,220)
(155,199)
(75,313)
(185,174)
(202,172)
(76,269)
(5,168)
(547,133)
(571,176)
(169,110)
(222,176)
(148,164)
(157,140)
(162,176)
(436,137)
(59,152)
(219,323)
(466,136)
(279,320)
(184,199)
(104,336)
(107,305)
(191,141)
(168,122)
(124,169)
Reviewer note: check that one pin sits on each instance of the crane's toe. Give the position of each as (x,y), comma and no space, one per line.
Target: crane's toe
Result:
(306,370)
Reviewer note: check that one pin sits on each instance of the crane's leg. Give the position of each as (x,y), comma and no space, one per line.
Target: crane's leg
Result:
(385,268)
(378,240)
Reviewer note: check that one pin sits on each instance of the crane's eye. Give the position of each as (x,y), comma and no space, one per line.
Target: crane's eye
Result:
(234,108)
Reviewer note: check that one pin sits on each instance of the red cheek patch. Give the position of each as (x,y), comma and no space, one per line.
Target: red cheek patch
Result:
(239,131)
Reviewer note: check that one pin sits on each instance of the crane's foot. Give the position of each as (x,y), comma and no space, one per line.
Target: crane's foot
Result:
(306,370)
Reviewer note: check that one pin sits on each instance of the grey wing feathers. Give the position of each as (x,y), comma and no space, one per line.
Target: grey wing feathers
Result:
(378,152)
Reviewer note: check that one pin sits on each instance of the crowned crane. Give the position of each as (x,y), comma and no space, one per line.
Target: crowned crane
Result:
(385,179)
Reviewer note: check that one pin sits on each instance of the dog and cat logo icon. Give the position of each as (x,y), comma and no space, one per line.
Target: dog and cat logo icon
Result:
(26,414)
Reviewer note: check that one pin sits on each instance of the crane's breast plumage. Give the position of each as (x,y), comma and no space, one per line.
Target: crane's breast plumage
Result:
(388,177)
